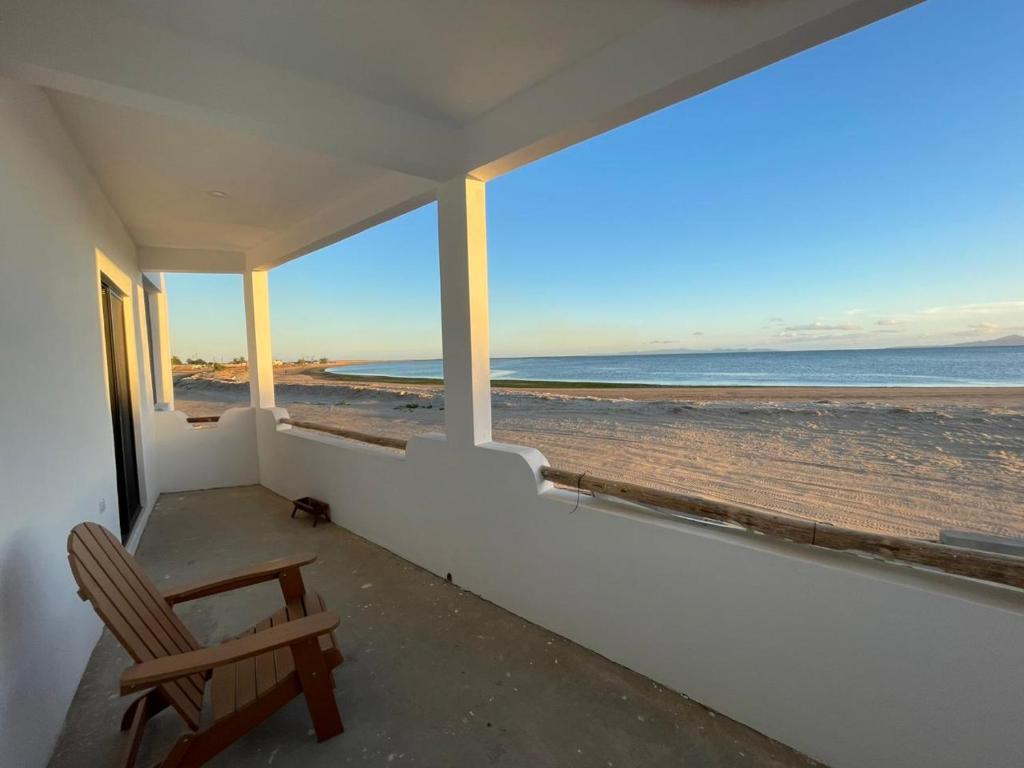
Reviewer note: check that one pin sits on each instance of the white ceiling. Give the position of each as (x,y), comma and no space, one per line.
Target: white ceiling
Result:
(157,172)
(448,59)
(319,118)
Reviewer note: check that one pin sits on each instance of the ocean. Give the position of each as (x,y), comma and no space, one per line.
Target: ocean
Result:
(920,367)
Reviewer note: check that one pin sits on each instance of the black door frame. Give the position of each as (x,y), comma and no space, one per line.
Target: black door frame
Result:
(129,496)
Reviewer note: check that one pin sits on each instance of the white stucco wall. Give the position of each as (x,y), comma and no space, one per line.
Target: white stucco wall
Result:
(855,662)
(209,456)
(56,455)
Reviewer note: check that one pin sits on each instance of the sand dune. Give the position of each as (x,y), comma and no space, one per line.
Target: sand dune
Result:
(907,461)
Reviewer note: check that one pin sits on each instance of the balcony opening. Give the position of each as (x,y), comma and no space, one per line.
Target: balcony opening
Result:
(338,313)
(206,314)
(799,292)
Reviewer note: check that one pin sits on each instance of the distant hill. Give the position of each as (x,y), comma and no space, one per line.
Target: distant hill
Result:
(1013,340)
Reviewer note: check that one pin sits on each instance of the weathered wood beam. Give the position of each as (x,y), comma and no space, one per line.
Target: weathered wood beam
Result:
(349,434)
(1000,569)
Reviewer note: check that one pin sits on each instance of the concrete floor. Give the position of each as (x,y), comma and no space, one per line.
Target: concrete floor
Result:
(433,675)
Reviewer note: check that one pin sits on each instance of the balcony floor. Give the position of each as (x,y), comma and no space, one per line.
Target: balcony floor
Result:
(433,675)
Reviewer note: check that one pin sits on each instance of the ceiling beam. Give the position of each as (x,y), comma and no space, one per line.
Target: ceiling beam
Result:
(85,49)
(159,259)
(376,202)
(686,51)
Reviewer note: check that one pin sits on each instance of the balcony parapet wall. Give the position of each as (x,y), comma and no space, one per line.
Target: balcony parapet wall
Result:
(851,660)
(194,457)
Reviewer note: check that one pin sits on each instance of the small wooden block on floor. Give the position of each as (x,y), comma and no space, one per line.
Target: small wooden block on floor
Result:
(315,507)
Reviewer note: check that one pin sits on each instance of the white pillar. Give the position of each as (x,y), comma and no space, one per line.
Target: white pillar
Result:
(465,333)
(160,343)
(257,327)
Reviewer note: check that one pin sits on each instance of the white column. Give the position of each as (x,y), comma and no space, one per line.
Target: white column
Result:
(465,333)
(257,327)
(160,344)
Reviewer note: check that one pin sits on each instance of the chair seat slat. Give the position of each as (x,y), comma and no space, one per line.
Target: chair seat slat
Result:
(222,691)
(233,688)
(266,672)
(245,680)
(283,661)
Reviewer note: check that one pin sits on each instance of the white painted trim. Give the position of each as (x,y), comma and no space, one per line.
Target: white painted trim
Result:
(137,353)
(139,528)
(159,339)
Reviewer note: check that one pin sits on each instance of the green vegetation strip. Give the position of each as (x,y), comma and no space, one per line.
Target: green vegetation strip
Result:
(506,383)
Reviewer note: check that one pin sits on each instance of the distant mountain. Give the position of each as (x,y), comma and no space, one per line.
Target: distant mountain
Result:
(1013,340)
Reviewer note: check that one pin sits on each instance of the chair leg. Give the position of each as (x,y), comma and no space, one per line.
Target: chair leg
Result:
(154,703)
(179,756)
(135,718)
(317,688)
(292,587)
(140,712)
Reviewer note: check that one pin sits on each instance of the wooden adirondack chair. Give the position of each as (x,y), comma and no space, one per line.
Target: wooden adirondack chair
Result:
(253,675)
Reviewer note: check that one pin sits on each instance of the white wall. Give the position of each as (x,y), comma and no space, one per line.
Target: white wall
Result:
(209,456)
(56,453)
(853,661)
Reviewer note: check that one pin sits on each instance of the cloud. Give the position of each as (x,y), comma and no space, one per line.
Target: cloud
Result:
(888,321)
(983,327)
(698,333)
(664,341)
(804,338)
(856,311)
(821,327)
(989,308)
(774,320)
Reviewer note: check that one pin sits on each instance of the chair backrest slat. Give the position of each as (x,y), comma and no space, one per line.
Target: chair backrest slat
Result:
(171,631)
(133,610)
(139,615)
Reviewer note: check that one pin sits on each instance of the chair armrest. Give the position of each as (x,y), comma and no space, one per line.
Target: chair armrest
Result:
(254,574)
(166,668)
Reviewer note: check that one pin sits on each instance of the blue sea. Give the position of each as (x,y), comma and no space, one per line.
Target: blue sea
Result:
(924,367)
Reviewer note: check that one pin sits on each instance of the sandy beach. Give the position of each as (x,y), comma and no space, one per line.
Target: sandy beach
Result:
(904,461)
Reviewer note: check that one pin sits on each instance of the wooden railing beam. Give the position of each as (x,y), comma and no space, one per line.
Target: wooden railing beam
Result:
(386,442)
(974,564)
(202,419)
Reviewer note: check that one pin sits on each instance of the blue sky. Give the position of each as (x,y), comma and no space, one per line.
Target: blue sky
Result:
(869,192)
